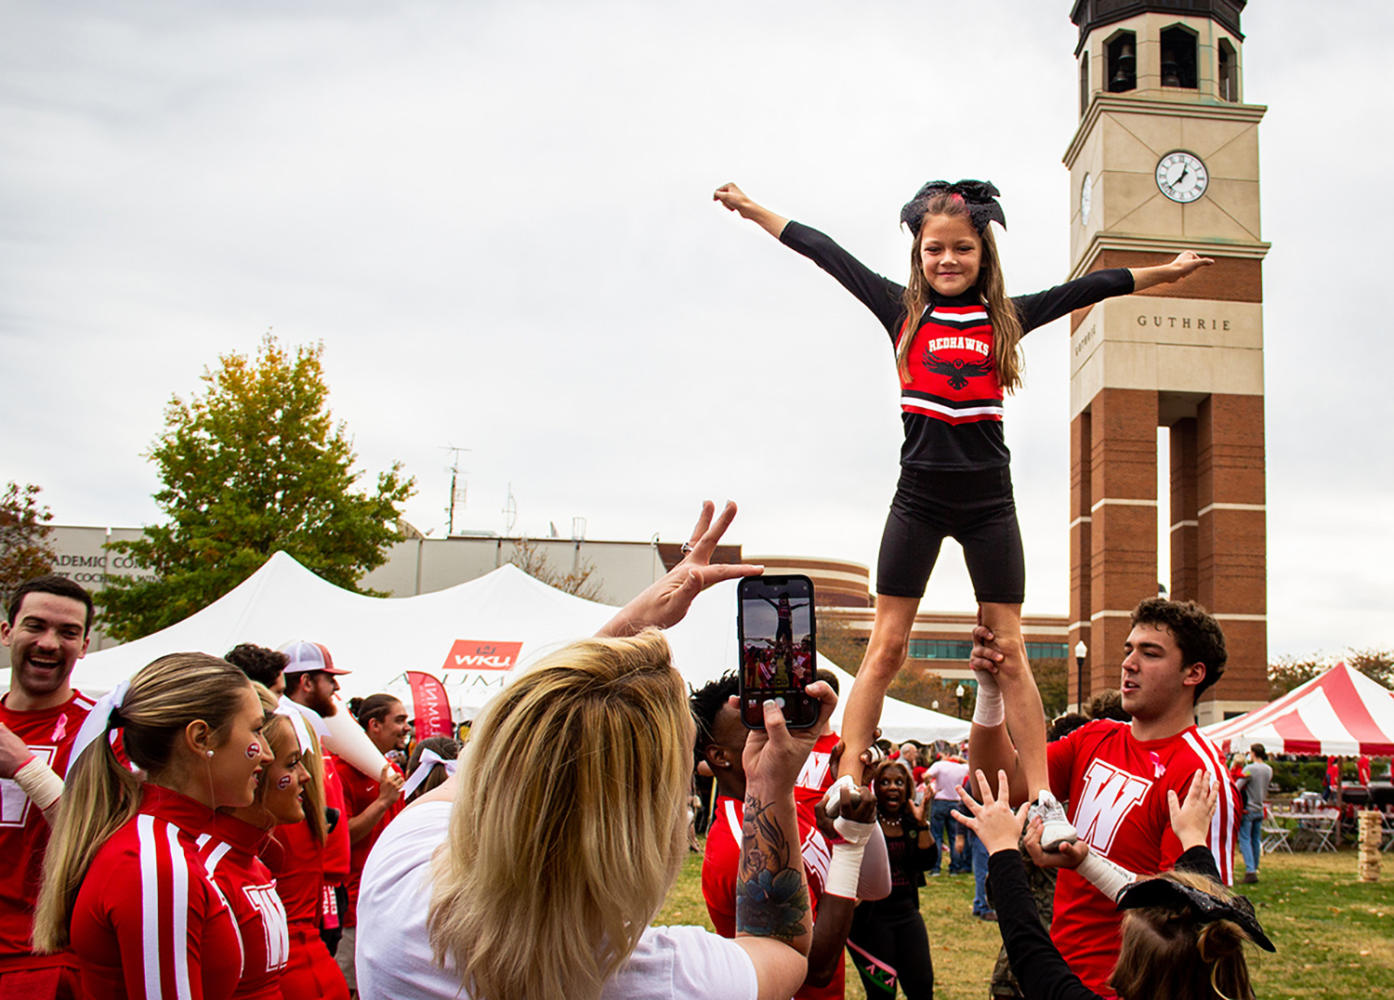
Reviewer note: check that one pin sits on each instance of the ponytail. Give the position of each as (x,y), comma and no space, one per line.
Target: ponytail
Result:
(101,794)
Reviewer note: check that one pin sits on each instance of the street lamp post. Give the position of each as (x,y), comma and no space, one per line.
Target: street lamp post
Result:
(959,693)
(1081,651)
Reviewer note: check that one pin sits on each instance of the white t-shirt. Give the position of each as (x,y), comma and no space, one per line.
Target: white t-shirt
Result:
(393,954)
(947,775)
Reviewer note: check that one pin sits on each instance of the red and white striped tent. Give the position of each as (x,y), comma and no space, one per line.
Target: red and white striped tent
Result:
(1339,713)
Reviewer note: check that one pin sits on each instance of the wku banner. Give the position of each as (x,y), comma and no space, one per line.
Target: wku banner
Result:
(431,707)
(470,654)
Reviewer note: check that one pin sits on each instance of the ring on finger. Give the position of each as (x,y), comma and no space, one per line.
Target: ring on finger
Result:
(686,548)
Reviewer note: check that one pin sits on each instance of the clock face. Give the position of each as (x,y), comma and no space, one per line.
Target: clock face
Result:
(1181,176)
(1086,198)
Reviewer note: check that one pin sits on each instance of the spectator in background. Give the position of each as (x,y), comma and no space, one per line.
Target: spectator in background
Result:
(265,666)
(311,682)
(371,803)
(1253,786)
(434,760)
(1362,769)
(888,941)
(944,778)
(1331,786)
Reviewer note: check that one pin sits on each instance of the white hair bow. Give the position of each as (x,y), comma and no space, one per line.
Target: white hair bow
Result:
(98,720)
(429,759)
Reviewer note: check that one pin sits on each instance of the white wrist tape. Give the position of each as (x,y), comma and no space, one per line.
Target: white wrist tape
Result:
(832,798)
(1108,878)
(844,870)
(987,710)
(853,832)
(38,781)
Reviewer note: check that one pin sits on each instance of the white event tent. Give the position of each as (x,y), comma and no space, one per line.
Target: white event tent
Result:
(471,636)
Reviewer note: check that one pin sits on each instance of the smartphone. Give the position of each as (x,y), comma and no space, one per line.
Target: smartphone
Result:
(779,660)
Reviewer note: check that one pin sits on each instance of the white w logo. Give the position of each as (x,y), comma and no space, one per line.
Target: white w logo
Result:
(1106,798)
(273,920)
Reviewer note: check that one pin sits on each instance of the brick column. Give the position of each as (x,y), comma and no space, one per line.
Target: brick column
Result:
(1081,499)
(1185,583)
(1231,538)
(1123,525)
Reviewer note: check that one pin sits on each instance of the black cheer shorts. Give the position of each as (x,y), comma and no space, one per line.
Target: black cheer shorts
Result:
(977,510)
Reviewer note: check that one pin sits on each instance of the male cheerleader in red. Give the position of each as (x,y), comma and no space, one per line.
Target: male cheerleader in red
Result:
(46,632)
(832,872)
(372,802)
(1116,775)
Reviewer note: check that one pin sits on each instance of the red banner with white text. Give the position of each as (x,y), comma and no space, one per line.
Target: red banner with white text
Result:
(431,706)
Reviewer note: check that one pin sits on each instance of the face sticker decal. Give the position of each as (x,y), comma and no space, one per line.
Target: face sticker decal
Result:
(253,750)
(283,782)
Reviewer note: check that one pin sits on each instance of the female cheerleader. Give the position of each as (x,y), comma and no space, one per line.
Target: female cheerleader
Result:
(956,336)
(888,936)
(123,883)
(233,849)
(1183,931)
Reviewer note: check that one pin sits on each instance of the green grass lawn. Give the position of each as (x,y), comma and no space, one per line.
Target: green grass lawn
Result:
(1334,933)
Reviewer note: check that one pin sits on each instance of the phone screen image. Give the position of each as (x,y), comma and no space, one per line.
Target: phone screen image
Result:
(777,648)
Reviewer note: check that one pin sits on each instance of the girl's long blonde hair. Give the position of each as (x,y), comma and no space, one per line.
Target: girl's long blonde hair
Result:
(280,735)
(101,794)
(568,829)
(1166,952)
(991,288)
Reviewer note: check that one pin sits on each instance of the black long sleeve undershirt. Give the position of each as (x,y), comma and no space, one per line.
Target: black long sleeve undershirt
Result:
(1036,963)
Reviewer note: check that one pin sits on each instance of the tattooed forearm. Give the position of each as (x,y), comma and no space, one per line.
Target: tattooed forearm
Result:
(771,896)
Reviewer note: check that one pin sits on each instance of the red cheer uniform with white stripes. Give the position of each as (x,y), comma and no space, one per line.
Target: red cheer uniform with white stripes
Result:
(1117,790)
(230,852)
(299,871)
(721,862)
(149,923)
(361,791)
(24,836)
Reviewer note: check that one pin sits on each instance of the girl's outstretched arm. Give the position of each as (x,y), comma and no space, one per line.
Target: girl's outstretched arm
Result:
(739,202)
(1184,263)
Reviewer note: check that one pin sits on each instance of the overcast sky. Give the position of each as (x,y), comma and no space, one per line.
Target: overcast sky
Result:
(498,219)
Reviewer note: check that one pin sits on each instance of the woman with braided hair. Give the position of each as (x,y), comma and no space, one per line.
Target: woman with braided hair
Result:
(956,337)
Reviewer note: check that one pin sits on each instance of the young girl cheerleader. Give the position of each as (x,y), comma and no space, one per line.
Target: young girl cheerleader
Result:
(233,848)
(123,882)
(956,337)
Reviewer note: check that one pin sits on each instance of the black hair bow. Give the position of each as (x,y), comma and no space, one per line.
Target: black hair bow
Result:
(1168,893)
(980,197)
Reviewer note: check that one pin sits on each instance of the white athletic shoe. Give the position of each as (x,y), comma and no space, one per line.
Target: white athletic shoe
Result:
(1057,830)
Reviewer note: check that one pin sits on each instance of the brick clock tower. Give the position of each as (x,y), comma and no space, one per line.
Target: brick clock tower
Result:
(1165,159)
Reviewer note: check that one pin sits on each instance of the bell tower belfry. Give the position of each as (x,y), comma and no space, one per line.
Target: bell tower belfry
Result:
(1165,159)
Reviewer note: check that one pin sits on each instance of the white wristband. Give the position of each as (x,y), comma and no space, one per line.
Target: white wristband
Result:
(37,780)
(852,831)
(987,710)
(844,871)
(1108,878)
(832,798)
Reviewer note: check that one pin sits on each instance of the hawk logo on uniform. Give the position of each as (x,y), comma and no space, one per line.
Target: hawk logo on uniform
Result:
(957,371)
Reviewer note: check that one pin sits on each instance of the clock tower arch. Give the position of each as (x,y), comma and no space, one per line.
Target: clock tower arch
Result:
(1165,159)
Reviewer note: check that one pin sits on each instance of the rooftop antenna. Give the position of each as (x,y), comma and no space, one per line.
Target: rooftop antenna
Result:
(457,489)
(510,513)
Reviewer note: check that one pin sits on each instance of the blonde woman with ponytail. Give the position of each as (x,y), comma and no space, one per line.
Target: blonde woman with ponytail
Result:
(956,337)
(123,885)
